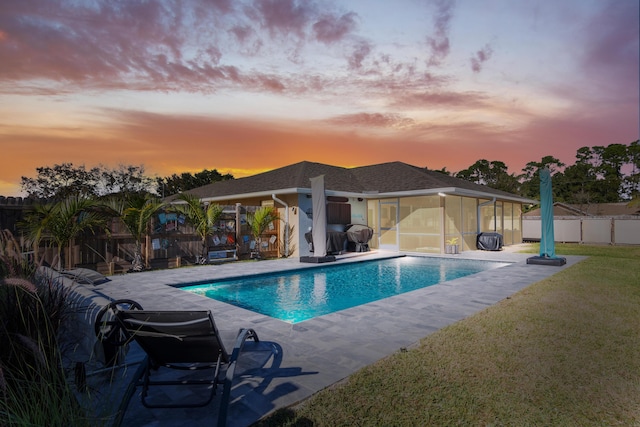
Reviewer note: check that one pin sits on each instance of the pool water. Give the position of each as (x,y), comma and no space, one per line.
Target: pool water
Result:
(304,294)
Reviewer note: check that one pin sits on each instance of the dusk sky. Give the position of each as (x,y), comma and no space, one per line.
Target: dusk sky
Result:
(245,86)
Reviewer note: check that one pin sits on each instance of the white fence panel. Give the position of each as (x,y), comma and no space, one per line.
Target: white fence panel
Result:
(627,231)
(531,229)
(567,230)
(596,230)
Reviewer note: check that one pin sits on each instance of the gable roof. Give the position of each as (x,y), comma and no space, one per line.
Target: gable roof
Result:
(385,178)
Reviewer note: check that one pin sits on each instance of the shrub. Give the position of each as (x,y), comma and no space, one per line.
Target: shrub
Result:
(12,262)
(33,386)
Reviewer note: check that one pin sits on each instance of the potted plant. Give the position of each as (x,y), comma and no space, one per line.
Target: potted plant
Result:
(451,246)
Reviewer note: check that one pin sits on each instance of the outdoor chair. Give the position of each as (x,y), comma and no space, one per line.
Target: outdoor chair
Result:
(184,340)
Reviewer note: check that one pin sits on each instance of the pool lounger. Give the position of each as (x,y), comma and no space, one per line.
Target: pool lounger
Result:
(186,340)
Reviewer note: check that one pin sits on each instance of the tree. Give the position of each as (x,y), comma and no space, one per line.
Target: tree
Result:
(259,221)
(443,171)
(577,184)
(493,174)
(59,182)
(124,179)
(611,159)
(62,221)
(136,210)
(530,178)
(202,217)
(175,184)
(597,175)
(632,181)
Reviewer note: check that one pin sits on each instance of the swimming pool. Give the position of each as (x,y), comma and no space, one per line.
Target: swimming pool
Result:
(304,294)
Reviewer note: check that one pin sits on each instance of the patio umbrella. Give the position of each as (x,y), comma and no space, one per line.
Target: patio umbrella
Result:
(319,230)
(547,236)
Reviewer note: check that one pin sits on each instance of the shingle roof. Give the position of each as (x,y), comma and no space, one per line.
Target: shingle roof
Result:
(382,178)
(398,176)
(292,176)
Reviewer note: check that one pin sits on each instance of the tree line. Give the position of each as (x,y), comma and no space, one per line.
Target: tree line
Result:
(61,181)
(600,174)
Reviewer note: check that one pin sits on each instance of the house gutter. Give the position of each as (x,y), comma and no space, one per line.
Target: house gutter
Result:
(286,221)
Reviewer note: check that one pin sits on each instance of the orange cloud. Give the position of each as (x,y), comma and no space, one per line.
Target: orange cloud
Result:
(167,144)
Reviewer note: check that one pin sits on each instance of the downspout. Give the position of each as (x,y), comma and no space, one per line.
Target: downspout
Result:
(286,221)
(478,213)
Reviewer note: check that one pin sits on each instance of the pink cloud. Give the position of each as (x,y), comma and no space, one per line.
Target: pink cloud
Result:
(330,29)
(158,46)
(438,43)
(360,52)
(440,99)
(285,16)
(242,32)
(378,120)
(480,58)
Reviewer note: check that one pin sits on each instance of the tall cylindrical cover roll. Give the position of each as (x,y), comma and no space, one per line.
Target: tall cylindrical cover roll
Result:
(319,232)
(547,237)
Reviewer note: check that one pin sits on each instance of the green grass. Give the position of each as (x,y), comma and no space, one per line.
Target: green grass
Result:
(625,252)
(562,352)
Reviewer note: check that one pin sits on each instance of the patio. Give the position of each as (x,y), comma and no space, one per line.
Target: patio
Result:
(292,362)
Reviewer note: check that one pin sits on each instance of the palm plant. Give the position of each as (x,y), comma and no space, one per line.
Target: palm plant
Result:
(62,221)
(259,221)
(136,210)
(202,217)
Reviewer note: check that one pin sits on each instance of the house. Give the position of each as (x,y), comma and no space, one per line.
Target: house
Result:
(409,208)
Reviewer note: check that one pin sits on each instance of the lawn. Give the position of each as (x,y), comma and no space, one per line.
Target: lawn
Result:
(562,352)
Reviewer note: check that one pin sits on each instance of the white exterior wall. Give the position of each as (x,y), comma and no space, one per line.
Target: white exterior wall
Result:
(305,223)
(358,211)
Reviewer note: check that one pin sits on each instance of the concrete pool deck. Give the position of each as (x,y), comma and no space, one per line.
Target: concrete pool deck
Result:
(294,361)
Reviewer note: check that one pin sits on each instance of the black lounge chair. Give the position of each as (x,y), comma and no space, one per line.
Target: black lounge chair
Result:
(186,340)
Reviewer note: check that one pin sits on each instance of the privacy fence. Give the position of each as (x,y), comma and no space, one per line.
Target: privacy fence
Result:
(597,230)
